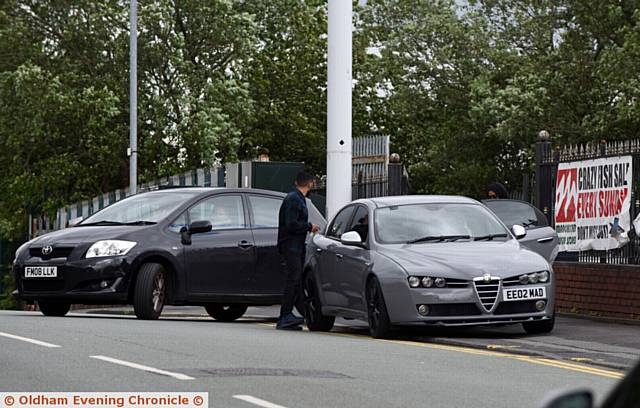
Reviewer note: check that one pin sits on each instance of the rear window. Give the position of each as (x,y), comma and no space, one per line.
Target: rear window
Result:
(517,213)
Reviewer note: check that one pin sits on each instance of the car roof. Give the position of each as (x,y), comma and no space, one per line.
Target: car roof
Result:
(208,190)
(419,199)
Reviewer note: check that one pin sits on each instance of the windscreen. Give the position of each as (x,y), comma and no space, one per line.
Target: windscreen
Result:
(150,207)
(405,223)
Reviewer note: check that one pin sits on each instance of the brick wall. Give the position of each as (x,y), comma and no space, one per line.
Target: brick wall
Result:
(598,289)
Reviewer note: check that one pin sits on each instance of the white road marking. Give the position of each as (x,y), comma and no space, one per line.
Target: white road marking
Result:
(38,342)
(143,367)
(257,401)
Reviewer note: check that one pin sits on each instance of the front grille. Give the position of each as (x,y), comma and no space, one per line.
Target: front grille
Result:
(454,309)
(456,283)
(487,292)
(42,285)
(525,306)
(57,252)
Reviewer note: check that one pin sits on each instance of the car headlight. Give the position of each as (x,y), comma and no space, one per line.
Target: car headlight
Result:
(535,277)
(414,281)
(543,276)
(109,248)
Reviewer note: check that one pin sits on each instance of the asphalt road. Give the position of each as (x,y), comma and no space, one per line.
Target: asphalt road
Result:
(291,369)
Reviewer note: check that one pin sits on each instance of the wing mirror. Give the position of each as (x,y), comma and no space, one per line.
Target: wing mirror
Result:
(196,227)
(519,231)
(572,399)
(351,238)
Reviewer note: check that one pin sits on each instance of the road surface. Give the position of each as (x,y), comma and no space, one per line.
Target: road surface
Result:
(101,352)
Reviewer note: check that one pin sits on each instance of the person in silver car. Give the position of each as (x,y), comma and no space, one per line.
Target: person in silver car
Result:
(435,260)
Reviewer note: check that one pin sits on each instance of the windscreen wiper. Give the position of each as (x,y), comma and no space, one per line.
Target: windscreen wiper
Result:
(141,222)
(438,238)
(489,237)
(104,222)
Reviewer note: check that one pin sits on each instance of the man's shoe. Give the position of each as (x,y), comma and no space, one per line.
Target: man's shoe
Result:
(290,328)
(288,321)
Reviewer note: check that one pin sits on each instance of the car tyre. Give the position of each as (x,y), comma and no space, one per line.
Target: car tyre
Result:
(225,313)
(53,308)
(314,318)
(379,322)
(150,291)
(539,327)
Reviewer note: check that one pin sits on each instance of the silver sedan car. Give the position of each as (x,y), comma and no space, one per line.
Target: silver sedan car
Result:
(434,260)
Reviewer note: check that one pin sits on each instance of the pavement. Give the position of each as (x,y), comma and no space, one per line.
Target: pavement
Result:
(109,350)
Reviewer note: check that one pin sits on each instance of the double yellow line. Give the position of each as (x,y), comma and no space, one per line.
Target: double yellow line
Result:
(581,368)
(529,359)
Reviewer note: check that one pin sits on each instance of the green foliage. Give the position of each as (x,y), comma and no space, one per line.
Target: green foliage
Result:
(461,90)
(6,299)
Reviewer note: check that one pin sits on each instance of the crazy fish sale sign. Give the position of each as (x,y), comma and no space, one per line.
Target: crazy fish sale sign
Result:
(592,203)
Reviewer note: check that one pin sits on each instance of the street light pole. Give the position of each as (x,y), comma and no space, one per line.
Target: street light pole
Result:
(339,106)
(133,97)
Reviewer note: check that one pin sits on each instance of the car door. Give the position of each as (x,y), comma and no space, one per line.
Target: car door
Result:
(540,238)
(352,263)
(330,253)
(222,260)
(268,276)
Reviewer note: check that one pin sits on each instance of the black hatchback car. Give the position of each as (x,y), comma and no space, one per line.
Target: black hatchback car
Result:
(214,247)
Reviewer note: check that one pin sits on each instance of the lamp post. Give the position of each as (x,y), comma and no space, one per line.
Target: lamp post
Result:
(339,105)
(133,97)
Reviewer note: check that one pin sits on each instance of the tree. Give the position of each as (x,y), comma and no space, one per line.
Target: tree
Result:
(287,82)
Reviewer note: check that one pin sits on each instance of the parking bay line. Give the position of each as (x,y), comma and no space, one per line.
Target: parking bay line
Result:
(28,340)
(137,366)
(257,401)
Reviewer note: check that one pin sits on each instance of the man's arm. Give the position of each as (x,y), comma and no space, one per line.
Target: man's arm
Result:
(291,215)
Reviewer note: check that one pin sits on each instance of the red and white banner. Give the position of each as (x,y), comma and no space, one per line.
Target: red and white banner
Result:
(592,203)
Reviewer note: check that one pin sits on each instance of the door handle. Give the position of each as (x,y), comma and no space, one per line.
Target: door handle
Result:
(543,240)
(339,256)
(245,244)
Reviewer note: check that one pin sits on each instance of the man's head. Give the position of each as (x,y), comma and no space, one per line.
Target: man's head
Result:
(305,182)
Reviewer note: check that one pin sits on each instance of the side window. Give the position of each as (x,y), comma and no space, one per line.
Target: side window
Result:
(223,212)
(516,213)
(264,211)
(339,224)
(360,222)
(178,223)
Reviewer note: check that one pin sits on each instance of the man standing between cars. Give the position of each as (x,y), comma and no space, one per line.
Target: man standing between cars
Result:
(293,226)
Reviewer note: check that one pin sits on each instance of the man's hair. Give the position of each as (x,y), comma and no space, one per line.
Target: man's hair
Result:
(303,178)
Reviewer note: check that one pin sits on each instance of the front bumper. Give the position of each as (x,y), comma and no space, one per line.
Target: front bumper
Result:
(460,306)
(77,281)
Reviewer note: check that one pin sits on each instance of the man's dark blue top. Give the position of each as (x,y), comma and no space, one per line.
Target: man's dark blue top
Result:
(293,222)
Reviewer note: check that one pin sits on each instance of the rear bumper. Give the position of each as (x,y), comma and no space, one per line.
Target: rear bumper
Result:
(78,281)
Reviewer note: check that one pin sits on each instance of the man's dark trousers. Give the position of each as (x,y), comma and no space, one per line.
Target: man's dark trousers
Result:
(292,263)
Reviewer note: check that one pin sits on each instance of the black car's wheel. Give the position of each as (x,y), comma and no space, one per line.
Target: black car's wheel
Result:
(379,323)
(539,327)
(150,291)
(54,307)
(316,321)
(225,313)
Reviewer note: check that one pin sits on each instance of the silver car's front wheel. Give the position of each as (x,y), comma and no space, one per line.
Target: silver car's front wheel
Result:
(379,323)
